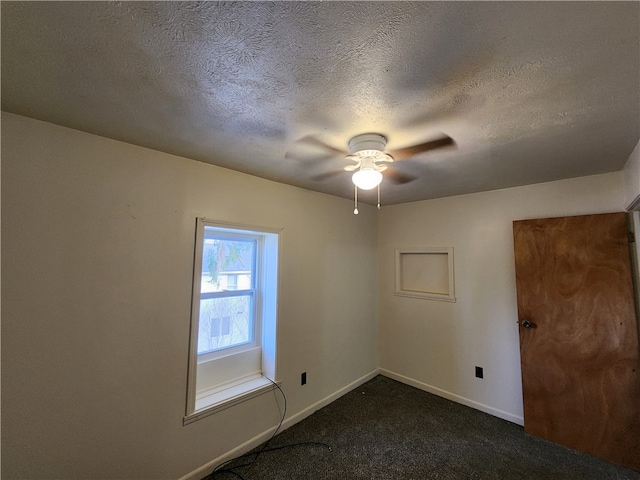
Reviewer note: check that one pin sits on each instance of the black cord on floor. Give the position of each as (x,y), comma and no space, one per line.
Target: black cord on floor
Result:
(220,469)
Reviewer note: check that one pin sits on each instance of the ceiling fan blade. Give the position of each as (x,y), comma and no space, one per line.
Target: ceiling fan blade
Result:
(326,175)
(309,140)
(305,159)
(408,152)
(397,177)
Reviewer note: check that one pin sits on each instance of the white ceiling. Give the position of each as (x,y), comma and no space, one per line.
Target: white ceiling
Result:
(530,91)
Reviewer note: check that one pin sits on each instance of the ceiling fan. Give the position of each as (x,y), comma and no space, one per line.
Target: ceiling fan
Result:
(367,152)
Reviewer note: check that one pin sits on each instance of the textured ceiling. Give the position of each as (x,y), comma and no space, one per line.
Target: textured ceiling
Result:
(530,91)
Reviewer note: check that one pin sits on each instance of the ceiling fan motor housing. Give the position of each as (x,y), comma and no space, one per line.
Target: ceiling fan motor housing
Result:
(367,141)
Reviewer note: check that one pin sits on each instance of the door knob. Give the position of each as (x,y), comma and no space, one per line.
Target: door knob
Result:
(526,324)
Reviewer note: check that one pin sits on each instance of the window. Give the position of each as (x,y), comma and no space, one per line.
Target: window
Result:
(233,316)
(227,314)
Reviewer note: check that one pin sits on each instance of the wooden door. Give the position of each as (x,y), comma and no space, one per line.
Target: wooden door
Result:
(578,334)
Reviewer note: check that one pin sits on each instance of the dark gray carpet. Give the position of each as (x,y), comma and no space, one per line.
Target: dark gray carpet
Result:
(387,430)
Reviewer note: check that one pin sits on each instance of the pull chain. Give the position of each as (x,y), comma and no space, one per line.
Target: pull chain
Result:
(378,196)
(355,210)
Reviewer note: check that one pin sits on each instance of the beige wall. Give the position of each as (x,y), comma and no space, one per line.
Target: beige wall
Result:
(436,345)
(97,254)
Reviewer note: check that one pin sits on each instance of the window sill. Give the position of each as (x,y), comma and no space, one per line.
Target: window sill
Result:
(217,399)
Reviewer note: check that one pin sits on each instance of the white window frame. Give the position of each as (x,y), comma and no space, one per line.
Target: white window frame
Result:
(225,377)
(252,292)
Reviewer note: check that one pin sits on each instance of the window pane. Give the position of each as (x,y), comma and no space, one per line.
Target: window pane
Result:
(227,264)
(224,322)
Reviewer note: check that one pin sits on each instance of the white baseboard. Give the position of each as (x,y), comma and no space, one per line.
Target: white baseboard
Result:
(208,467)
(327,400)
(453,397)
(250,444)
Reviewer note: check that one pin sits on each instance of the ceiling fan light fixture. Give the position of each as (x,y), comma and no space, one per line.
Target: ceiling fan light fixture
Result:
(367,159)
(366,178)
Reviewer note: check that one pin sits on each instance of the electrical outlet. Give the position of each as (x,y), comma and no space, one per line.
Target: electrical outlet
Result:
(479,372)
(303,378)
